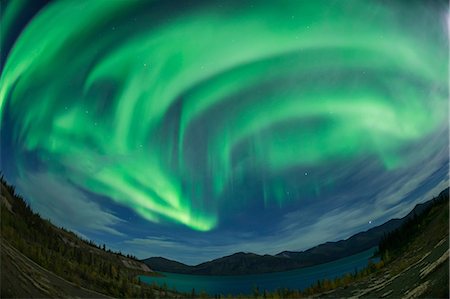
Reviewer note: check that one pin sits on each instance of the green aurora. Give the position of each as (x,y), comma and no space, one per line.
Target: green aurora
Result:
(169,113)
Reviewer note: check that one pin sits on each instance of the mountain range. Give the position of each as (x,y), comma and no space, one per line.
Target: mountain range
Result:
(250,263)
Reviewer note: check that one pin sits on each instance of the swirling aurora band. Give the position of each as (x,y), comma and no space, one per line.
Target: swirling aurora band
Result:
(165,111)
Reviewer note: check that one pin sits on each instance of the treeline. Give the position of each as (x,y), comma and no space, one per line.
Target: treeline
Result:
(394,243)
(103,247)
(320,286)
(23,209)
(82,262)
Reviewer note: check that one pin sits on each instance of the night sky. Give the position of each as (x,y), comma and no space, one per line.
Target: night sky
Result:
(196,129)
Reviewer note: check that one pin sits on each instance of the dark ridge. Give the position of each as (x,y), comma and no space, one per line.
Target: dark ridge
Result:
(250,263)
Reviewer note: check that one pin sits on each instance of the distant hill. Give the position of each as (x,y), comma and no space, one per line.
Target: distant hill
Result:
(250,263)
(359,242)
(167,265)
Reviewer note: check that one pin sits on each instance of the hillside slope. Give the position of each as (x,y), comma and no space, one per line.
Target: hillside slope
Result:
(40,260)
(23,278)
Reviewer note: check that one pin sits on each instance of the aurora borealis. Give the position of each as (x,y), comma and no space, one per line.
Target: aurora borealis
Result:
(231,125)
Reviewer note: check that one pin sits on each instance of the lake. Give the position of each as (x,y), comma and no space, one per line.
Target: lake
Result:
(244,284)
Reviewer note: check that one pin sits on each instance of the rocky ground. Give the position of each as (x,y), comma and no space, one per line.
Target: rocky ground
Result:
(424,277)
(24,278)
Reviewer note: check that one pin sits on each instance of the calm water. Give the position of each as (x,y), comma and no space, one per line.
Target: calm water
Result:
(244,284)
